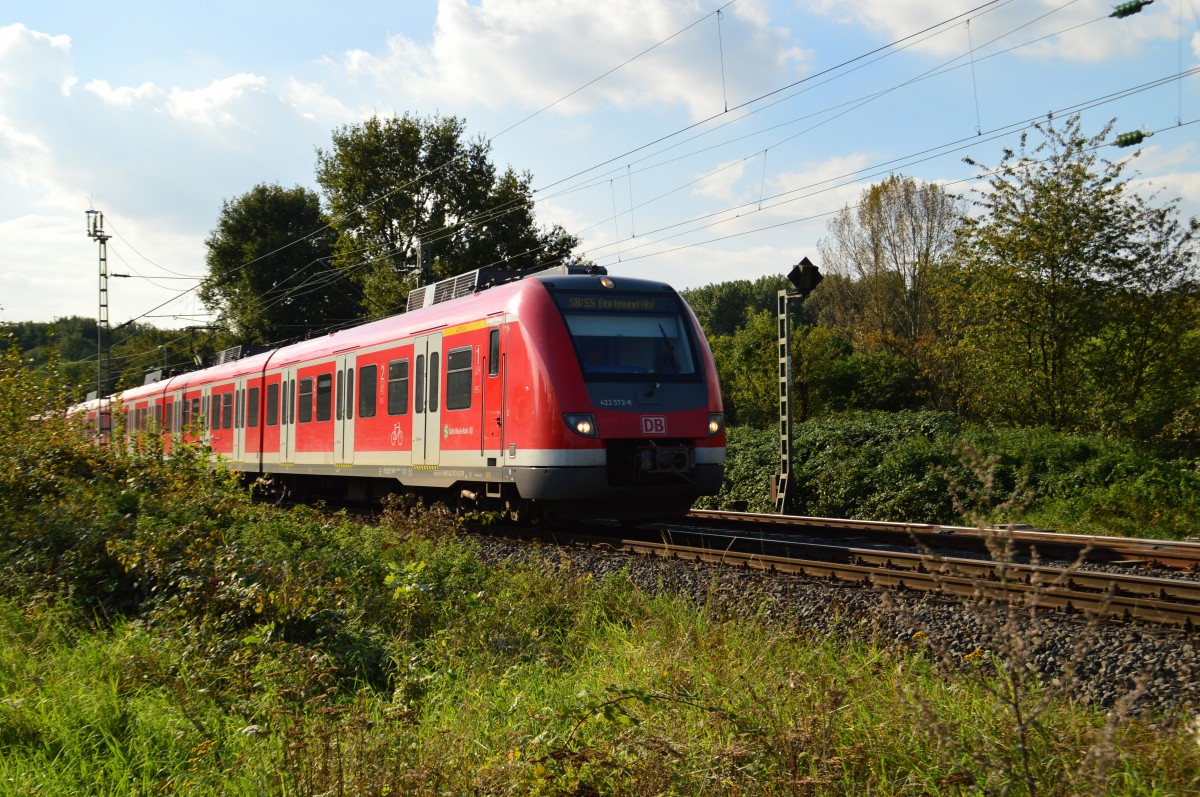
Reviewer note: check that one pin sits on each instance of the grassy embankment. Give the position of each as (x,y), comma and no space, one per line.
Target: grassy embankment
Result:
(161,634)
(913,466)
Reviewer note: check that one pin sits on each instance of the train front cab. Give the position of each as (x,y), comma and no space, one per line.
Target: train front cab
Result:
(634,383)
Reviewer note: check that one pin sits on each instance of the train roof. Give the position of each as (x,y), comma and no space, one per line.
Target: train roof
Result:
(468,296)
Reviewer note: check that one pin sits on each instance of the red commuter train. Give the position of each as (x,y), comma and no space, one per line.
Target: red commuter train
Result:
(588,395)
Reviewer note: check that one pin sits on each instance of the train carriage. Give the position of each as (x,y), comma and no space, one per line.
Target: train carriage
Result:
(587,394)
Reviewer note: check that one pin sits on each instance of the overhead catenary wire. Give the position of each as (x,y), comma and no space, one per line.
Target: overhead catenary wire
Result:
(565,97)
(492,214)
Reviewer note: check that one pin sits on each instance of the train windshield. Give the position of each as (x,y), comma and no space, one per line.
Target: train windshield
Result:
(630,337)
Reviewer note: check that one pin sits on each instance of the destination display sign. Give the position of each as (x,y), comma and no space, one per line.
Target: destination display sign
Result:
(616,302)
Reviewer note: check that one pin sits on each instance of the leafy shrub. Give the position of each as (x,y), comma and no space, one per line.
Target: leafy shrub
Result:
(904,466)
(870,381)
(751,458)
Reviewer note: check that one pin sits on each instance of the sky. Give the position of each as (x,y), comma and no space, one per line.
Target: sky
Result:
(692,141)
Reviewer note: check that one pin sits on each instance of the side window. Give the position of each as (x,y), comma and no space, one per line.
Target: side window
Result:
(283,403)
(196,410)
(419,394)
(324,397)
(435,378)
(458,378)
(494,353)
(239,408)
(187,413)
(306,390)
(216,411)
(292,404)
(398,387)
(341,396)
(366,390)
(349,393)
(252,408)
(273,404)
(227,411)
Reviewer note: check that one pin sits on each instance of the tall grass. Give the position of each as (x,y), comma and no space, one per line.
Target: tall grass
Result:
(161,633)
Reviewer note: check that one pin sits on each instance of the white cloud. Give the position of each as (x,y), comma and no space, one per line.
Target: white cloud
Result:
(534,52)
(1079,31)
(311,101)
(1163,173)
(125,96)
(818,188)
(722,181)
(214,105)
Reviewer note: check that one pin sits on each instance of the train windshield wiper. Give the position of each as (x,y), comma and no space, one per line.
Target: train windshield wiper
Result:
(668,357)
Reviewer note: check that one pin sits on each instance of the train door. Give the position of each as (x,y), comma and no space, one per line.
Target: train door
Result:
(427,389)
(493,393)
(287,416)
(206,414)
(239,420)
(343,416)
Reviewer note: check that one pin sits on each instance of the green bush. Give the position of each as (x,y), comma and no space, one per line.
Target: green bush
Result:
(927,467)
(751,458)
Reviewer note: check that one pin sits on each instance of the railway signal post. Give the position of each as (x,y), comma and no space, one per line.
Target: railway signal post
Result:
(804,277)
(95,231)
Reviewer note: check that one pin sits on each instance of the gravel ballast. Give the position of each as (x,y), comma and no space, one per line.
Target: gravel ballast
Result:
(1105,664)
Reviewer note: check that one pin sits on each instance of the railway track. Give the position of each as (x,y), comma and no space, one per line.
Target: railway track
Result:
(1021,543)
(1086,575)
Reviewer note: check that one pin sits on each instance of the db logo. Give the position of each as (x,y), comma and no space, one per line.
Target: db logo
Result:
(654,424)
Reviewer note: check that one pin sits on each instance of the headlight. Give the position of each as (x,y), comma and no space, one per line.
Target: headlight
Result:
(582,424)
(716,422)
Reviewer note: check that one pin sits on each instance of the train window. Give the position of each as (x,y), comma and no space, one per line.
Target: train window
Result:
(187,414)
(252,408)
(305,395)
(632,346)
(207,415)
(420,391)
(239,408)
(398,386)
(283,403)
(349,393)
(227,411)
(341,397)
(494,353)
(196,410)
(366,390)
(324,396)
(292,404)
(273,404)
(458,378)
(434,380)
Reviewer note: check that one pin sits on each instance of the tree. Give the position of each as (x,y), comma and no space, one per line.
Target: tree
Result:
(270,275)
(888,252)
(747,367)
(403,190)
(724,307)
(1075,292)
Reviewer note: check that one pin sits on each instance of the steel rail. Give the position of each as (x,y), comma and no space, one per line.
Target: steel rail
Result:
(1172,554)
(1155,600)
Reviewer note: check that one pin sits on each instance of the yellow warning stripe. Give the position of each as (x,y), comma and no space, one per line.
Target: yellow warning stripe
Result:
(470,326)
